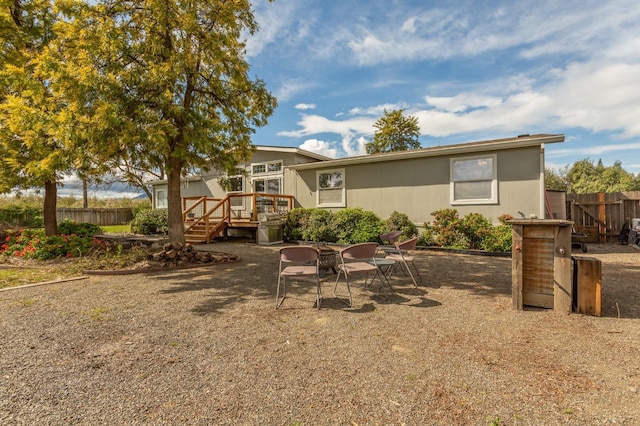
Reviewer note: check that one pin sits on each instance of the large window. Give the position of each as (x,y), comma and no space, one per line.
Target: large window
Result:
(331,188)
(474,180)
(267,185)
(161,199)
(236,186)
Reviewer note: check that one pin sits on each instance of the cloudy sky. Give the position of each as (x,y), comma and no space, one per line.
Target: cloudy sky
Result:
(469,70)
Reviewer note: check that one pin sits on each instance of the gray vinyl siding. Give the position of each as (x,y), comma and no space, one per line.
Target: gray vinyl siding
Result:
(419,186)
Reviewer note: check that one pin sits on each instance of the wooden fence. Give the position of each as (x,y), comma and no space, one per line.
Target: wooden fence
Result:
(601,215)
(101,217)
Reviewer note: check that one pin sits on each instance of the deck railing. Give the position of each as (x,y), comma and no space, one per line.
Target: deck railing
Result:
(232,210)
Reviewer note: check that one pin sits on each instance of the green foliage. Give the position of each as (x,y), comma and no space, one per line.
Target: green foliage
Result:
(446,229)
(400,221)
(34,244)
(163,87)
(69,227)
(318,226)
(473,231)
(475,228)
(585,177)
(346,226)
(22,216)
(309,225)
(294,223)
(149,222)
(355,225)
(394,132)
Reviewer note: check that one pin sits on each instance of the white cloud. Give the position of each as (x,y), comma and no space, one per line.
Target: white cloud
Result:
(598,150)
(599,97)
(376,110)
(291,88)
(316,124)
(305,106)
(321,147)
(463,102)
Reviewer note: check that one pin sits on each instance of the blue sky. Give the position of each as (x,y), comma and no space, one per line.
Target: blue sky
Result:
(469,70)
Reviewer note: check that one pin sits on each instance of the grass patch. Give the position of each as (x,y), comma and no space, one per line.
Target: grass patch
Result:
(116,229)
(31,271)
(13,277)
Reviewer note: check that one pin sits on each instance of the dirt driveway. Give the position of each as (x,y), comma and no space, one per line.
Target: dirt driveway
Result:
(206,346)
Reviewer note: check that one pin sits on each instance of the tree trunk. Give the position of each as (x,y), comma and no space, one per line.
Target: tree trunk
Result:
(50,202)
(174,201)
(85,194)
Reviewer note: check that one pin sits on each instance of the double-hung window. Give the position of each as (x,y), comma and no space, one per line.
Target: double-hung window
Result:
(474,180)
(331,188)
(161,199)
(236,186)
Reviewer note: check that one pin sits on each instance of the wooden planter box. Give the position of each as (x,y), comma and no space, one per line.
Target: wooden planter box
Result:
(541,264)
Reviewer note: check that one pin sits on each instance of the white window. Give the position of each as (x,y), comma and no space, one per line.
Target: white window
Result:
(474,180)
(331,188)
(267,185)
(161,199)
(236,186)
(266,168)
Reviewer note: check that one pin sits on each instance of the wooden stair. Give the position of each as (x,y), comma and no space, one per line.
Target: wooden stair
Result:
(197,233)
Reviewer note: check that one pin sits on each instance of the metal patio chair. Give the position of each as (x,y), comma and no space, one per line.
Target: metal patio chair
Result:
(357,259)
(404,259)
(298,263)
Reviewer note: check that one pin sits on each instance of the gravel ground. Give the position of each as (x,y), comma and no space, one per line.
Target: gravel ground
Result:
(206,346)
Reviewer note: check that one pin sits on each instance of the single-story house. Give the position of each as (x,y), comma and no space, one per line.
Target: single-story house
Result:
(494,177)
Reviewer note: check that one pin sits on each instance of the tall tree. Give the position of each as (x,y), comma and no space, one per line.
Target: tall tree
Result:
(585,177)
(32,141)
(556,180)
(164,85)
(394,132)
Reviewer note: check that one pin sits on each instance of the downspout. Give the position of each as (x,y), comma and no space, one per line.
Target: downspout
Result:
(541,213)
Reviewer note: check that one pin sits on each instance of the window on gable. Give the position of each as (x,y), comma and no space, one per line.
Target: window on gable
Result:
(331,188)
(474,180)
(265,168)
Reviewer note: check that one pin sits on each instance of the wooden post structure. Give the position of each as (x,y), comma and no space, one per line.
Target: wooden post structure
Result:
(541,264)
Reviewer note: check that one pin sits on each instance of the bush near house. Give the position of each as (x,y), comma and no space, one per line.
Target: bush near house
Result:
(400,221)
(354,225)
(472,231)
(149,222)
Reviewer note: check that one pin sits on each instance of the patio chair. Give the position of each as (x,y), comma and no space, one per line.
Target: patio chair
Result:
(403,258)
(357,259)
(388,240)
(296,263)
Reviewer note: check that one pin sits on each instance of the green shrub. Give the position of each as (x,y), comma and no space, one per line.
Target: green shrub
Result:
(401,222)
(499,240)
(69,227)
(294,223)
(318,226)
(475,228)
(149,222)
(473,231)
(354,225)
(22,216)
(447,229)
(34,244)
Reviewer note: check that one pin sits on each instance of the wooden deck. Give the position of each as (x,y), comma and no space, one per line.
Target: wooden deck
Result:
(206,218)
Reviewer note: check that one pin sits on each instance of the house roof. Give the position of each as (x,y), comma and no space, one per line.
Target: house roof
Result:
(293,150)
(464,148)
